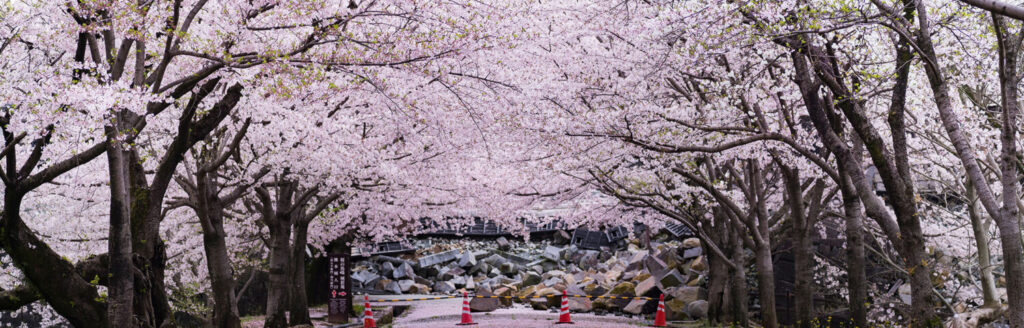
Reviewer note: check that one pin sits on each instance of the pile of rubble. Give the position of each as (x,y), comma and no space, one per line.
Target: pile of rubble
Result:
(536,273)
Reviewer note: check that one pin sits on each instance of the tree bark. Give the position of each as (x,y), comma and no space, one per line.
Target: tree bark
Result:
(1008,219)
(803,247)
(280,234)
(299,313)
(121,283)
(857,280)
(738,286)
(981,238)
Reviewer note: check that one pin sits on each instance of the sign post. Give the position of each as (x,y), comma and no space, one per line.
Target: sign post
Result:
(339,302)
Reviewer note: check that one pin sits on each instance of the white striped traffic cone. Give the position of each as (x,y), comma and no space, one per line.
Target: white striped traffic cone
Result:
(659,318)
(563,314)
(467,319)
(368,321)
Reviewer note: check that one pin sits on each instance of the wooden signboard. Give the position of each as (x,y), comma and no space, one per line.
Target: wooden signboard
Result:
(339,303)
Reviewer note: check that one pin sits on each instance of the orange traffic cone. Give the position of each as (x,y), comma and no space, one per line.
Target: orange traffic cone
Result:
(467,319)
(659,318)
(368,321)
(563,314)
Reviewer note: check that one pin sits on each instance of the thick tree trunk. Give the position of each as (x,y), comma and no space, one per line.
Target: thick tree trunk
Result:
(718,282)
(299,313)
(279,284)
(803,249)
(73,297)
(766,286)
(121,284)
(738,286)
(210,211)
(225,310)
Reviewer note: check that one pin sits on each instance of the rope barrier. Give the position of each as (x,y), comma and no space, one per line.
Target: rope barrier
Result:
(512,297)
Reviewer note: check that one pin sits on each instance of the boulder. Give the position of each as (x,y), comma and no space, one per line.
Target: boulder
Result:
(692,253)
(691,243)
(485,304)
(505,295)
(697,310)
(539,304)
(425,281)
(655,264)
(588,260)
(675,310)
(671,279)
(620,290)
(531,278)
(552,253)
(404,271)
(635,306)
(392,286)
(459,281)
(552,273)
(551,282)
(495,260)
(444,287)
(451,273)
(640,276)
(552,296)
(688,294)
(419,289)
(670,257)
(503,244)
(648,287)
(574,290)
(580,304)
(430,271)
(596,290)
(480,267)
(699,264)
(386,269)
(612,275)
(438,258)
(406,285)
(508,268)
(467,260)
(365,278)
(526,292)
(636,262)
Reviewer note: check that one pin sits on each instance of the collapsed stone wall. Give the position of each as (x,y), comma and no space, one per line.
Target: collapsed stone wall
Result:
(536,274)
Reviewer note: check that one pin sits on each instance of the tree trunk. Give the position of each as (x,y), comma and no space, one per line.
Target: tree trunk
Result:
(857,280)
(981,237)
(56,279)
(210,211)
(299,305)
(718,283)
(279,284)
(738,287)
(121,283)
(803,249)
(766,286)
(1008,220)
(225,310)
